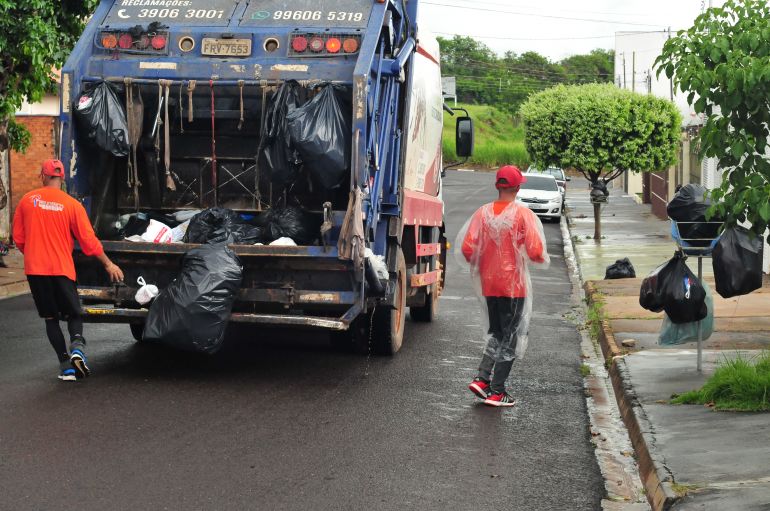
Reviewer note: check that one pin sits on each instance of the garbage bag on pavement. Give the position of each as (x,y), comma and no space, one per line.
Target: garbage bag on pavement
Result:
(320,131)
(684,298)
(690,205)
(737,262)
(193,311)
(217,225)
(651,291)
(620,269)
(103,118)
(276,155)
(679,333)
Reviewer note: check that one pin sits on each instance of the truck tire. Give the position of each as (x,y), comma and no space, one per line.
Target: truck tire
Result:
(388,323)
(137,329)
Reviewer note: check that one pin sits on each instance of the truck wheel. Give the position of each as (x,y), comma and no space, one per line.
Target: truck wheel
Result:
(136,330)
(388,324)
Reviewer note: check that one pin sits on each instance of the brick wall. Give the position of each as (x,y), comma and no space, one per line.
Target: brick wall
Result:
(25,168)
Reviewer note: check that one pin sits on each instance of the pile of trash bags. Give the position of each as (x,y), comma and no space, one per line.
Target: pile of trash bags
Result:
(688,209)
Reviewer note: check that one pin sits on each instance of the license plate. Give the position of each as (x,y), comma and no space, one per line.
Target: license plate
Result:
(226,47)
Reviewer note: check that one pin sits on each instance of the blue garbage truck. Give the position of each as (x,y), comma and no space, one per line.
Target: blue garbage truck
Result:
(203,91)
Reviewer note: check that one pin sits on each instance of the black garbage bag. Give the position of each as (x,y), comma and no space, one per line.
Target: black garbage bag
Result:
(217,225)
(321,133)
(290,222)
(690,205)
(277,156)
(737,262)
(620,269)
(684,298)
(102,118)
(651,291)
(193,311)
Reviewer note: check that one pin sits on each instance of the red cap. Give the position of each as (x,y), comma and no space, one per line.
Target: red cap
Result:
(53,168)
(509,177)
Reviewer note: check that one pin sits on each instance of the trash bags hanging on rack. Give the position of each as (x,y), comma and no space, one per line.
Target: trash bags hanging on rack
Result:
(688,208)
(737,262)
(276,154)
(679,333)
(674,288)
(620,269)
(103,119)
(320,131)
(192,313)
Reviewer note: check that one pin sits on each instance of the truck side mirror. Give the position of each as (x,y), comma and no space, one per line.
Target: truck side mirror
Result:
(464,137)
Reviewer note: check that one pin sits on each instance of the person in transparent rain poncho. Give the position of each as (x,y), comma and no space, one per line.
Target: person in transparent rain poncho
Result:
(499,241)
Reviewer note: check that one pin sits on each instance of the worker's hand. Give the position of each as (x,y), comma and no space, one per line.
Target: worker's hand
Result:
(115,273)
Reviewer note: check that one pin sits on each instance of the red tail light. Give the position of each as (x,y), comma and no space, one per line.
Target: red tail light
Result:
(299,44)
(125,41)
(109,41)
(158,42)
(350,45)
(316,45)
(333,45)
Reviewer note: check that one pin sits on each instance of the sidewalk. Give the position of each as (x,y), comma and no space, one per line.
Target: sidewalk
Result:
(12,279)
(690,457)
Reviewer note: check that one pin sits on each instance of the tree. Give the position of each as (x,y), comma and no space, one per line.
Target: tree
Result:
(35,37)
(723,61)
(602,131)
(597,66)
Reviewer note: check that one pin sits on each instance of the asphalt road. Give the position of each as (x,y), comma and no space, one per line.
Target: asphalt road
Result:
(282,421)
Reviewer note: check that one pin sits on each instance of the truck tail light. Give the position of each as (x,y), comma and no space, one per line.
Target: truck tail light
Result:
(109,41)
(316,45)
(350,45)
(125,41)
(299,44)
(333,45)
(158,42)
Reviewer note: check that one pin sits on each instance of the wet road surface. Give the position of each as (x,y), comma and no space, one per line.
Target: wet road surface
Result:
(280,420)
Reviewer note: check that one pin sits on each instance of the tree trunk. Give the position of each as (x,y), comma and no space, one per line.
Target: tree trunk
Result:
(597,222)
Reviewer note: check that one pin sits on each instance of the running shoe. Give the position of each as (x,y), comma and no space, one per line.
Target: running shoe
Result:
(500,399)
(78,361)
(68,374)
(480,387)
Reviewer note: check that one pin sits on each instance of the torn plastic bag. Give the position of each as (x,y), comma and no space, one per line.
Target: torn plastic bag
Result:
(193,311)
(276,155)
(620,269)
(290,222)
(217,225)
(321,132)
(684,298)
(102,117)
(498,250)
(680,333)
(737,262)
(690,205)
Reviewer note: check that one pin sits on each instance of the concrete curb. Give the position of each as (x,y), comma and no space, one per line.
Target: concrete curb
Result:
(14,289)
(655,476)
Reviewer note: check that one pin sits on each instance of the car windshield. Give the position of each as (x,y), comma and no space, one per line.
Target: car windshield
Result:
(540,183)
(554,171)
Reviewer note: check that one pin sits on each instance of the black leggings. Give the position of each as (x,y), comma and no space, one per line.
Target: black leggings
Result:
(56,337)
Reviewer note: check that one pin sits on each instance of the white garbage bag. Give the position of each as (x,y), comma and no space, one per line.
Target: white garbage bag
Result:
(284,242)
(146,293)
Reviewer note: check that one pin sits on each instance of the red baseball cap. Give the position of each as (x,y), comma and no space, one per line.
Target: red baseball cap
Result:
(53,168)
(509,177)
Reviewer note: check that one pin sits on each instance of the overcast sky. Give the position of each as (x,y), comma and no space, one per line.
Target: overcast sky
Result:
(555,28)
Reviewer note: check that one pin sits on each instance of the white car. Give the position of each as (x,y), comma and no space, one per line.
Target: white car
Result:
(542,195)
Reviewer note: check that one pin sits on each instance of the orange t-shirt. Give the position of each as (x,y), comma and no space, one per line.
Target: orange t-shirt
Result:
(46,223)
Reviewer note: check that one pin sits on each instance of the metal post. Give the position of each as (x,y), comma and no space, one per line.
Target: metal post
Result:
(633,71)
(700,323)
(624,70)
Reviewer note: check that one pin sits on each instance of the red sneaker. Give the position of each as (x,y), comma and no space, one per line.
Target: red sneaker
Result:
(501,399)
(480,387)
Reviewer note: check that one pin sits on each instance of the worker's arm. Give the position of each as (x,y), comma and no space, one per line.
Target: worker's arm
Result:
(19,237)
(471,240)
(90,244)
(534,239)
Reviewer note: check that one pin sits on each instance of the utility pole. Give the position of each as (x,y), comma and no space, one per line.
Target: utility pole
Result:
(633,71)
(624,70)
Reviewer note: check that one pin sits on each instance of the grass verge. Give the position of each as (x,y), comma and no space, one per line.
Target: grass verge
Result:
(595,317)
(499,139)
(739,384)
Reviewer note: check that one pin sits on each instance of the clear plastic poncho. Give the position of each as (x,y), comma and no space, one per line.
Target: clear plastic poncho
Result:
(499,247)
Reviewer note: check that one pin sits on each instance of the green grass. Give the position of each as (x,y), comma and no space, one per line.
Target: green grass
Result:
(595,317)
(584,370)
(499,139)
(739,384)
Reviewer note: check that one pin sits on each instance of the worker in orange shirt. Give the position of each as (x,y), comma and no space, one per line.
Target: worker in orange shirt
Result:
(502,238)
(44,224)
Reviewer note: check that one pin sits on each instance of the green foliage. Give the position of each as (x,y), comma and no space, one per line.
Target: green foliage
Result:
(498,138)
(35,37)
(485,78)
(601,130)
(738,384)
(723,62)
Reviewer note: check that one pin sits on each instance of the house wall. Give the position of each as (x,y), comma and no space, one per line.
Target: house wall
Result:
(25,168)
